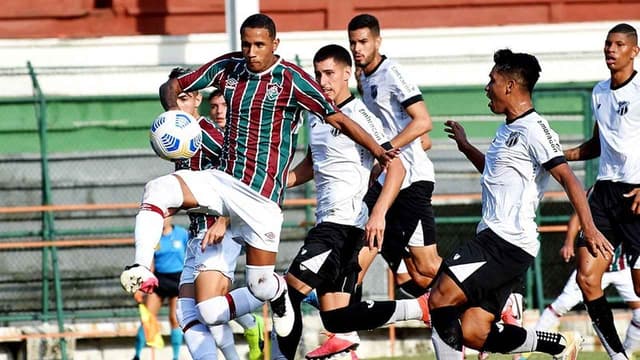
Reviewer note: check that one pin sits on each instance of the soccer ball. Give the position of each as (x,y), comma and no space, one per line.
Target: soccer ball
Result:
(175,135)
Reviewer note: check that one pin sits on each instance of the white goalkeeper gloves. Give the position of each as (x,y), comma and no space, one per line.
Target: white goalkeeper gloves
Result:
(136,277)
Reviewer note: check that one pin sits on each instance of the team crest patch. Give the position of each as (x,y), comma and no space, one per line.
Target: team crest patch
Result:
(273,90)
(512,139)
(623,107)
(374,91)
(231,83)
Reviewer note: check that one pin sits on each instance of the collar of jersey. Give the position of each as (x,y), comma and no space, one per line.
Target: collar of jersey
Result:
(384,57)
(521,116)
(347,100)
(268,70)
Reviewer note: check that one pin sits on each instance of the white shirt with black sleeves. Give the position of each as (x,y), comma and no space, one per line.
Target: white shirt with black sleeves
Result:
(515,177)
(341,167)
(617,113)
(387,92)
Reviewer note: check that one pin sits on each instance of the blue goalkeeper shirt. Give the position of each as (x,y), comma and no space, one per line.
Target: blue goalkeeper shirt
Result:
(170,253)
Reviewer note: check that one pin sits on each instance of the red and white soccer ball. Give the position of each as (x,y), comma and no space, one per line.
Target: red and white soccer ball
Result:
(175,135)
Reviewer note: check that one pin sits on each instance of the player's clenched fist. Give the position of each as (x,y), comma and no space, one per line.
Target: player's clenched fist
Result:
(136,277)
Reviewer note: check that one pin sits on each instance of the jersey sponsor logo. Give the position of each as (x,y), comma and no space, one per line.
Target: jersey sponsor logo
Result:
(554,144)
(623,108)
(370,304)
(512,140)
(273,90)
(456,256)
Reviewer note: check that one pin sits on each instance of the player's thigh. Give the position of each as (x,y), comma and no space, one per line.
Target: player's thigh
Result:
(255,219)
(476,325)
(205,187)
(487,268)
(215,268)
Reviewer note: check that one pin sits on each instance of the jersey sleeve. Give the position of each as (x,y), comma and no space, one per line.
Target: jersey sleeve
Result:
(544,145)
(403,89)
(309,95)
(206,75)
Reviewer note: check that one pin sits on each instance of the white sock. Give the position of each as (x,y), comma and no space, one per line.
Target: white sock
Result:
(247,321)
(245,302)
(632,339)
(148,230)
(548,320)
(200,343)
(530,342)
(224,340)
(408,309)
(349,336)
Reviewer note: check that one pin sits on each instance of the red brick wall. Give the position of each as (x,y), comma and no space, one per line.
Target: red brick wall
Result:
(83,18)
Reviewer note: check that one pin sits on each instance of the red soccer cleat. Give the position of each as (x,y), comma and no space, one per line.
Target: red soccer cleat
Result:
(423,301)
(334,345)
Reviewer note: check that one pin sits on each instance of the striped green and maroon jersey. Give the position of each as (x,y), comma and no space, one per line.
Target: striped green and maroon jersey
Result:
(263,116)
(208,156)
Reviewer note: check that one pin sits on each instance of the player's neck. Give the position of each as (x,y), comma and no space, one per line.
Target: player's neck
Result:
(373,65)
(620,77)
(517,109)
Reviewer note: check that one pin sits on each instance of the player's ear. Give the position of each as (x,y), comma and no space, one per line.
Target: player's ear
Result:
(347,72)
(198,99)
(276,42)
(635,51)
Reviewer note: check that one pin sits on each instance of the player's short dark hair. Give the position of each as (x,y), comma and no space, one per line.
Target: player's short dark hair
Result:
(178,71)
(523,67)
(335,52)
(259,21)
(214,93)
(365,21)
(626,29)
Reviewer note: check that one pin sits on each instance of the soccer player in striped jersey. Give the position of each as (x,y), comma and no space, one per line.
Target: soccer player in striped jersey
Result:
(615,201)
(390,94)
(265,95)
(475,280)
(328,260)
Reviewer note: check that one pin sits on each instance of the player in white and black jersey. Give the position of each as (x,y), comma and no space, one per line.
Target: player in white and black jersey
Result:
(328,260)
(391,95)
(615,202)
(476,279)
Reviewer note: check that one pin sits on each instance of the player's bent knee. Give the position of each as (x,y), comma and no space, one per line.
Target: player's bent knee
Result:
(164,192)
(213,311)
(263,283)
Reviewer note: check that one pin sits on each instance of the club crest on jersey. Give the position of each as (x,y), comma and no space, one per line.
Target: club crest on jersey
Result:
(335,132)
(623,107)
(374,91)
(512,139)
(231,83)
(273,90)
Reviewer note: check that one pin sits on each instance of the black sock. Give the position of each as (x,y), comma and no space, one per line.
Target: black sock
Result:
(504,339)
(361,316)
(446,321)
(602,320)
(548,342)
(289,344)
(412,288)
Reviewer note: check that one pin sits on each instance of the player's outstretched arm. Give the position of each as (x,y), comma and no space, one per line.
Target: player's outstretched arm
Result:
(169,94)
(596,242)
(457,133)
(590,149)
(350,128)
